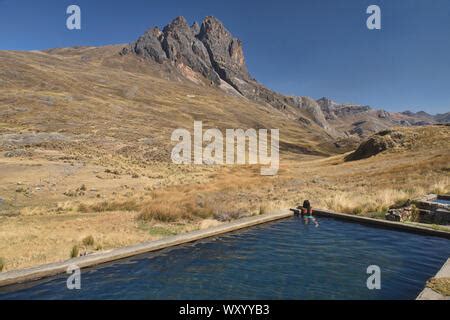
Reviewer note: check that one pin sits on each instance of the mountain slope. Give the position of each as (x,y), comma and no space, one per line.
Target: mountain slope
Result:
(98,99)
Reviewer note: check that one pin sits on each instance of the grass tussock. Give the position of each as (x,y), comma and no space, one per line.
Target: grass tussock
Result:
(265,207)
(2,264)
(172,212)
(106,206)
(88,241)
(75,251)
(441,187)
(440,285)
(363,203)
(160,231)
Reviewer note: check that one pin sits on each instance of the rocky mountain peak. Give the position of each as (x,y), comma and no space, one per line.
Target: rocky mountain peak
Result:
(326,102)
(195,28)
(226,52)
(178,24)
(209,49)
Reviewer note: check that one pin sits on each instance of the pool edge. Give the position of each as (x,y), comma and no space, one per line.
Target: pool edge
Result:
(43,271)
(428,293)
(385,223)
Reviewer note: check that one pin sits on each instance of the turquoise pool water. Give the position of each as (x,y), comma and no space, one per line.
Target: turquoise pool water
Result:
(443,201)
(280,260)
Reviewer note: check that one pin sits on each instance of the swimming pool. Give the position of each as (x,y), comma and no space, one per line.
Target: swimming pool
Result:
(284,259)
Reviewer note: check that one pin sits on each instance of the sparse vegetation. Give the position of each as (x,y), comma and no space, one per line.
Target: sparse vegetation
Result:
(112,171)
(2,264)
(264,208)
(348,202)
(441,186)
(440,285)
(161,231)
(104,206)
(88,241)
(175,206)
(163,212)
(75,251)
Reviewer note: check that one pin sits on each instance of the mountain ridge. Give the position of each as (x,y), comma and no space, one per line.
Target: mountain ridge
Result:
(212,51)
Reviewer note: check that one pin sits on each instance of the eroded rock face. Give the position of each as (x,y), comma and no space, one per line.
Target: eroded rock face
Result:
(209,49)
(149,45)
(314,111)
(176,43)
(225,52)
(181,46)
(195,28)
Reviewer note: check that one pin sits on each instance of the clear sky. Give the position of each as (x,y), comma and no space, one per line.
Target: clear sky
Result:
(299,47)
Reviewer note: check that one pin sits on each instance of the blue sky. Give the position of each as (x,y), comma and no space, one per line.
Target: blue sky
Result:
(299,47)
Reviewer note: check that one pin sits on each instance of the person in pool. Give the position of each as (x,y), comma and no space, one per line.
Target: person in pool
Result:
(307,213)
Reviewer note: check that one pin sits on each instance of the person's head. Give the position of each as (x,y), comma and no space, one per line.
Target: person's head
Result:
(306,204)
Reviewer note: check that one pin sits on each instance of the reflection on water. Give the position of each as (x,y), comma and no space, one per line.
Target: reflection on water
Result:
(280,260)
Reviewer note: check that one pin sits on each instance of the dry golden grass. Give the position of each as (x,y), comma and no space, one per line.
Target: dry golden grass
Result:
(440,285)
(114,205)
(2,264)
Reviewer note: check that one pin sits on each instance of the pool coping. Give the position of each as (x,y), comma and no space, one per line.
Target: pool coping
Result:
(430,294)
(422,229)
(35,273)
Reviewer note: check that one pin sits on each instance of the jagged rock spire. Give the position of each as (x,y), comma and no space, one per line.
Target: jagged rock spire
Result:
(209,49)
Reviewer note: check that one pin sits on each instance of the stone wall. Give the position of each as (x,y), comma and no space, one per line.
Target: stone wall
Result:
(423,210)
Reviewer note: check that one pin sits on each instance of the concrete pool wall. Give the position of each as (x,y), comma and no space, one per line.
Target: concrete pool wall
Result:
(428,293)
(35,273)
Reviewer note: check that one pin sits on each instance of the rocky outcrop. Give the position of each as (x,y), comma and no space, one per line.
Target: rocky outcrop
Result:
(333,110)
(176,43)
(209,49)
(376,144)
(149,46)
(313,109)
(181,46)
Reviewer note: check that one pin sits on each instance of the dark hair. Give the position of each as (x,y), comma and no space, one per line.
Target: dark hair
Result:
(306,204)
